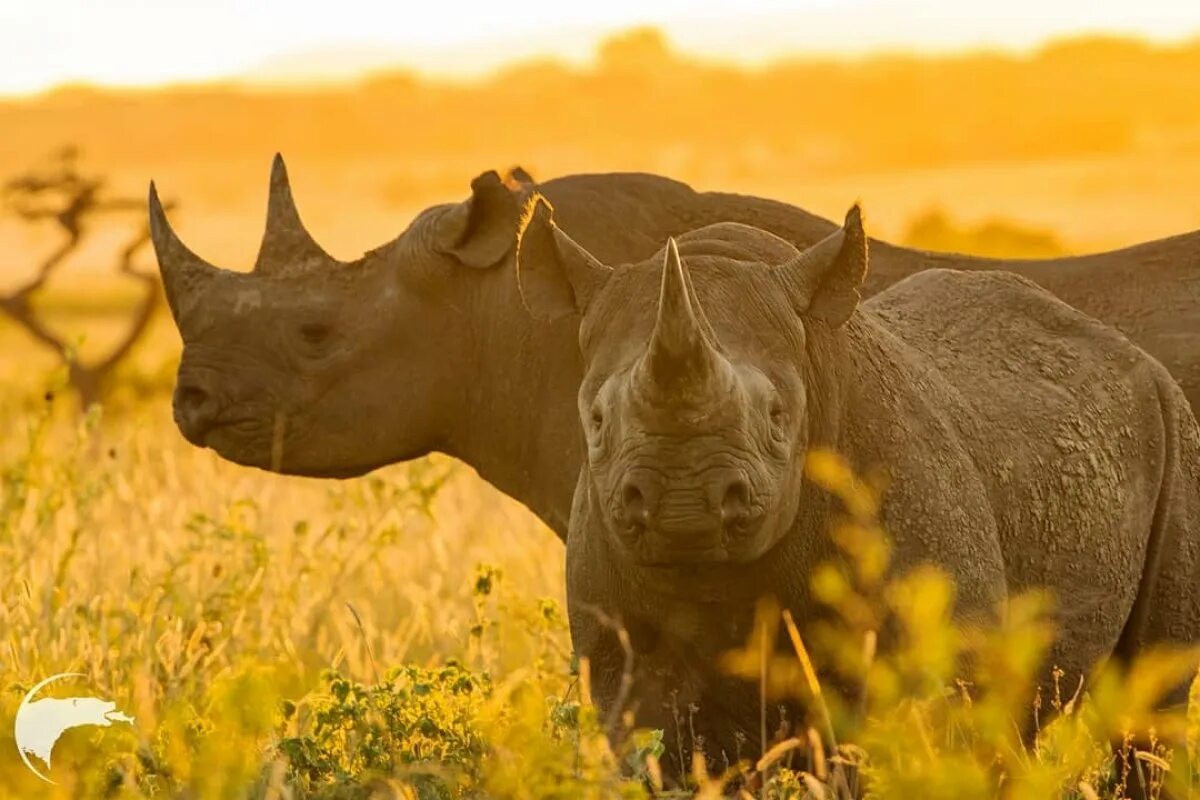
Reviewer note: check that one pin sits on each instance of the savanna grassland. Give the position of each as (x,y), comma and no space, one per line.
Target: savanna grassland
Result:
(403,634)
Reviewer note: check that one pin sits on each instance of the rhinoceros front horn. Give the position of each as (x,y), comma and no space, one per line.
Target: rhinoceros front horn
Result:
(681,359)
(286,242)
(184,274)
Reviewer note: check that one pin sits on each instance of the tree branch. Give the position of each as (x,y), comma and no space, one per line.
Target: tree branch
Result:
(80,201)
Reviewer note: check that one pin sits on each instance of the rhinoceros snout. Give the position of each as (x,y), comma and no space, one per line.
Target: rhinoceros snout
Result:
(706,514)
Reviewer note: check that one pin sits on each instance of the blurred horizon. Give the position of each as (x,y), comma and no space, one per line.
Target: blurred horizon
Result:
(1082,144)
(128,45)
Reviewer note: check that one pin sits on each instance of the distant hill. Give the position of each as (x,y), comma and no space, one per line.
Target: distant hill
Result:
(1072,98)
(1097,139)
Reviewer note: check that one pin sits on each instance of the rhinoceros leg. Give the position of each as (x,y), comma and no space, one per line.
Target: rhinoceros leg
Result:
(1167,608)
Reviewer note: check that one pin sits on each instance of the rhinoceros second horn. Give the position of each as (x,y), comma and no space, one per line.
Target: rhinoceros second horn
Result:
(285,240)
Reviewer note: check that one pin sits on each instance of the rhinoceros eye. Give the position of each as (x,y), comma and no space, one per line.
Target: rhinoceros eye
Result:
(597,419)
(779,418)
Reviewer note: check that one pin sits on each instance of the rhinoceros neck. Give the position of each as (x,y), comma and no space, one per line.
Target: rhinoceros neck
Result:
(519,427)
(857,375)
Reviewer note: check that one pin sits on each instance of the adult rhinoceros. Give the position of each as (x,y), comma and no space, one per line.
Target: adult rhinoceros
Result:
(1027,445)
(311,366)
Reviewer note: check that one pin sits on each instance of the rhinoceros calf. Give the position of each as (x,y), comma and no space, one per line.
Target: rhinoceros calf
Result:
(1028,446)
(311,366)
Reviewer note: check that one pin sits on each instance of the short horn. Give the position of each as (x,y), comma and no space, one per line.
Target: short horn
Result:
(286,241)
(681,356)
(183,272)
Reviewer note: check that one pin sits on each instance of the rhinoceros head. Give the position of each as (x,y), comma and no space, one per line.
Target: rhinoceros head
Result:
(310,365)
(697,400)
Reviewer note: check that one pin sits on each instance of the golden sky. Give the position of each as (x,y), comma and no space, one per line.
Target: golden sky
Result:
(147,42)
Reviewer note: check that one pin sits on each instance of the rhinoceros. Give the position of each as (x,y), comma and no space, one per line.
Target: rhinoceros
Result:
(1027,446)
(315,367)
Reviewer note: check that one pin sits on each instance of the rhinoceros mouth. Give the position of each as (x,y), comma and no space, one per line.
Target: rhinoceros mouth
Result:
(653,550)
(242,433)
(682,556)
(257,454)
(240,440)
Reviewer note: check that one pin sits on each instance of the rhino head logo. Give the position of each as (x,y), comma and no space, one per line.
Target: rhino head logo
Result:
(40,723)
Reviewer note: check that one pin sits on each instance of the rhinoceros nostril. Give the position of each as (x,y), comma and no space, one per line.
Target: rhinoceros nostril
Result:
(195,411)
(633,502)
(190,398)
(735,503)
(634,512)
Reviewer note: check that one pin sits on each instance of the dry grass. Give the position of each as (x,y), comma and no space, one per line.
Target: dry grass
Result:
(402,635)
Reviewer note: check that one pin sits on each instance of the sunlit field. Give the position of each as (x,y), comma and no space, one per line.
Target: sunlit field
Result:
(404,634)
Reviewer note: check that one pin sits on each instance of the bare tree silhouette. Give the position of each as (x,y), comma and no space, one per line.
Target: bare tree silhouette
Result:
(60,193)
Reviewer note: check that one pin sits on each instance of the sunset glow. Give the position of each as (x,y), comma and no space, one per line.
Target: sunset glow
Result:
(132,43)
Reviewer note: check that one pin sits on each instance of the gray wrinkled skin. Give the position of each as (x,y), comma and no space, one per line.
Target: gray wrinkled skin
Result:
(1028,446)
(314,367)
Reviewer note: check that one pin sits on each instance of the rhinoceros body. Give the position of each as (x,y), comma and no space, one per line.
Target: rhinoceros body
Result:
(426,337)
(1028,446)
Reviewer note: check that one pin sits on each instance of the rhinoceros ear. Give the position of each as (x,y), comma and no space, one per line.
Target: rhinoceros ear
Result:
(481,230)
(519,178)
(557,277)
(823,281)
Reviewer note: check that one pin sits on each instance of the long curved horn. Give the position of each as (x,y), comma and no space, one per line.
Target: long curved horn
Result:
(286,241)
(183,272)
(681,358)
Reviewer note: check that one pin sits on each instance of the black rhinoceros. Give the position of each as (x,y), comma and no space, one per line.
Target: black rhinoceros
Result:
(315,367)
(1027,446)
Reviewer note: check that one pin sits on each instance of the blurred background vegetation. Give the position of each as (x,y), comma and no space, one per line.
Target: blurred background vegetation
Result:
(1079,145)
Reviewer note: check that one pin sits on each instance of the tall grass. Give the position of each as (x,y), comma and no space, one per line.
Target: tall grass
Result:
(403,635)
